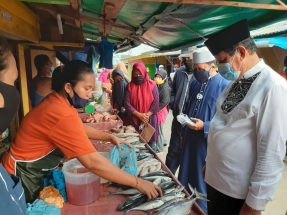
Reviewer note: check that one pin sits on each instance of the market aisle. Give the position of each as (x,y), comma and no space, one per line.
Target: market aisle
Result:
(277,207)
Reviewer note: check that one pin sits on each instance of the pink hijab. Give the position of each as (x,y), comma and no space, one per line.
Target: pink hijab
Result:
(104,76)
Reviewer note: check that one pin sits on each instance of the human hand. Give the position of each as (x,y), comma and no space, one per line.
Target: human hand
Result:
(117,141)
(143,117)
(246,210)
(199,125)
(150,189)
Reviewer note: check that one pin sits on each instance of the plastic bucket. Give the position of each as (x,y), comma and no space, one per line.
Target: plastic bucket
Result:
(82,186)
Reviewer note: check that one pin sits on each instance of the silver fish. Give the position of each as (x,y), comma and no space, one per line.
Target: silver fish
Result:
(126,192)
(157,173)
(174,190)
(157,181)
(168,203)
(182,208)
(170,196)
(152,178)
(147,206)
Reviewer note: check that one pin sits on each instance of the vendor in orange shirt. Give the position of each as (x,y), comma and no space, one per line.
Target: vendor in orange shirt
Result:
(53,130)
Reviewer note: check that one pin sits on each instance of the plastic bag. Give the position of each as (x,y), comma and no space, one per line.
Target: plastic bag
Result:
(125,159)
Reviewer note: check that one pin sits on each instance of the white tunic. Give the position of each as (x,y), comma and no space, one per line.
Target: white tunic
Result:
(246,146)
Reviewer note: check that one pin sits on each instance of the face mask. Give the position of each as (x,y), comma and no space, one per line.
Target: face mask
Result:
(201,75)
(226,71)
(138,80)
(77,101)
(159,81)
(11,103)
(189,66)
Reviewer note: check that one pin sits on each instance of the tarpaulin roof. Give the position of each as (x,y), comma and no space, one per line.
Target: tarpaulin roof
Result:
(168,26)
(270,42)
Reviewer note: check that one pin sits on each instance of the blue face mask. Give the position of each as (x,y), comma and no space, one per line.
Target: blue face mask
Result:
(77,101)
(226,71)
(201,75)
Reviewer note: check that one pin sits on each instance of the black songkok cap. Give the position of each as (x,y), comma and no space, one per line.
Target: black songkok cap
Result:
(228,37)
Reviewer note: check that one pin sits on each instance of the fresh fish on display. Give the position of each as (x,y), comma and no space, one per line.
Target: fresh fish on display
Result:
(152,178)
(174,189)
(125,135)
(157,181)
(167,185)
(168,203)
(147,206)
(133,202)
(144,170)
(182,208)
(144,156)
(123,187)
(126,192)
(157,173)
(170,196)
(132,140)
(158,167)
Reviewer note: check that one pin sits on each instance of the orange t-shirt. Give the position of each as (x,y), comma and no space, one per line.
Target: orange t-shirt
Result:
(51,124)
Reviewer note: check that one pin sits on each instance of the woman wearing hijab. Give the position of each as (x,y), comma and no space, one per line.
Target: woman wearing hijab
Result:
(104,76)
(164,98)
(142,101)
(119,86)
(123,67)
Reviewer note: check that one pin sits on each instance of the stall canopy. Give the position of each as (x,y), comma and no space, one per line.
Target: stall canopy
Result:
(162,24)
(280,42)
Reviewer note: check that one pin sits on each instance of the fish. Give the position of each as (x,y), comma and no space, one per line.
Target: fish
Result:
(147,206)
(152,178)
(126,192)
(144,170)
(182,208)
(168,203)
(170,196)
(166,185)
(123,187)
(125,135)
(157,173)
(144,156)
(133,202)
(157,181)
(173,189)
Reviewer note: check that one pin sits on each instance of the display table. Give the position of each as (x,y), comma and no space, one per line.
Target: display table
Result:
(107,205)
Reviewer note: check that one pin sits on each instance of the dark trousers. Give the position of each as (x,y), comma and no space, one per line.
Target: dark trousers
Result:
(221,204)
(174,149)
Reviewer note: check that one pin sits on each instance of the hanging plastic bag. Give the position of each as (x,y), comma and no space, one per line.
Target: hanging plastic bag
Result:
(125,159)
(105,99)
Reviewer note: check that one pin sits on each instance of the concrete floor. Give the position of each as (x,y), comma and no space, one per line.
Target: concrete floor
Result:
(277,207)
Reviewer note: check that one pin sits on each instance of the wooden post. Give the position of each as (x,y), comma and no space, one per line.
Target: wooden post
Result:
(70,55)
(23,80)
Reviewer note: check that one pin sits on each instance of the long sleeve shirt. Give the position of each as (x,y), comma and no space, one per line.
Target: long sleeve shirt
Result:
(246,146)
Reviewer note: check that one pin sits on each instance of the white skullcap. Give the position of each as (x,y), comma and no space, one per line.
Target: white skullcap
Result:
(202,55)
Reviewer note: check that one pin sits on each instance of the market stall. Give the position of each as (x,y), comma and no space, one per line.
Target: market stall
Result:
(106,203)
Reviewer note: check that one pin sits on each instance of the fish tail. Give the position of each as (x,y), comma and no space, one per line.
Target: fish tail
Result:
(197,194)
(126,212)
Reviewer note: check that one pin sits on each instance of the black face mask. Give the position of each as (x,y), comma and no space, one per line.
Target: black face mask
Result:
(201,75)
(11,103)
(77,101)
(189,66)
